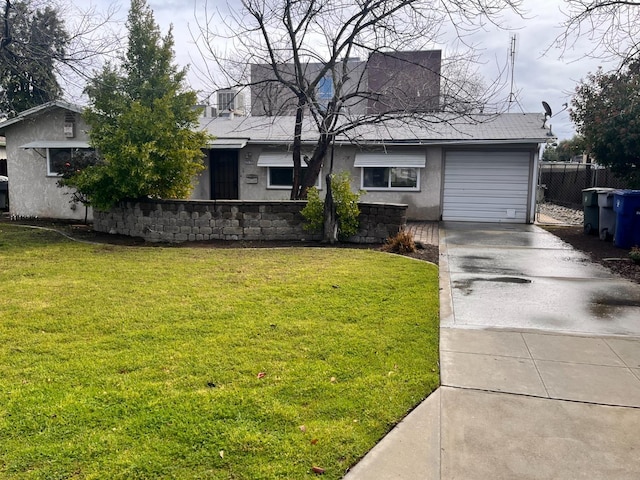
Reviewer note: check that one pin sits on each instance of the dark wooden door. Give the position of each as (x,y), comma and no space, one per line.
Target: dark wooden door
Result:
(223,165)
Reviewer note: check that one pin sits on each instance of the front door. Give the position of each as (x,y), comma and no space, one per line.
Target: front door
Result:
(223,165)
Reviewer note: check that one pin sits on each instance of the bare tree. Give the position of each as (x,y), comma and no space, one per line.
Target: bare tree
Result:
(612,27)
(319,55)
(45,43)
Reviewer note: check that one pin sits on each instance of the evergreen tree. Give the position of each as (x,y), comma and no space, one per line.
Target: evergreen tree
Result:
(32,42)
(142,118)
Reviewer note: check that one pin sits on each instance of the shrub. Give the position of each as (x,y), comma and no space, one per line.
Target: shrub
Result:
(346,202)
(634,255)
(71,171)
(402,242)
(313,212)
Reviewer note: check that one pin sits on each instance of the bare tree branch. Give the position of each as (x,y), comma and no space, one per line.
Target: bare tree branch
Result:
(288,51)
(611,26)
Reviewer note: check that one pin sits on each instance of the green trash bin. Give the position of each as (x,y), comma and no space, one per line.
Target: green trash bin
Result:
(591,210)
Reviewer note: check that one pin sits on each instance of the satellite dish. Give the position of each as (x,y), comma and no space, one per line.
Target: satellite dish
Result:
(547,109)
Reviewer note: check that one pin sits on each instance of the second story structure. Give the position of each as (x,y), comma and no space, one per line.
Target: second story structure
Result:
(385,82)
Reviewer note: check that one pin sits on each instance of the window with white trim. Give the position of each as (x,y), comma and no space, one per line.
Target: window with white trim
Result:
(382,178)
(58,157)
(280,170)
(388,171)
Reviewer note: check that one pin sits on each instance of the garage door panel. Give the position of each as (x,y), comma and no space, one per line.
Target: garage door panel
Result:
(488,217)
(513,202)
(486,186)
(475,188)
(478,192)
(480,184)
(487,210)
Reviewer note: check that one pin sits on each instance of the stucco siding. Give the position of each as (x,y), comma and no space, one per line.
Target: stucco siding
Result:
(201,185)
(253,180)
(32,192)
(423,204)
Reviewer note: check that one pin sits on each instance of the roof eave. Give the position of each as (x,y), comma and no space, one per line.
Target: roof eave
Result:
(412,143)
(38,110)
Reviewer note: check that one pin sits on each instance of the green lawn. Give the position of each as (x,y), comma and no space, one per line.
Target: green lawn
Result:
(131,362)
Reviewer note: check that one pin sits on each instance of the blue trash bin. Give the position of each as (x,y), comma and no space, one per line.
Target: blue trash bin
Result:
(626,204)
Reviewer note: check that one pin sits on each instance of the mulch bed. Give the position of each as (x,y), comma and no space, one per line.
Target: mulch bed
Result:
(428,253)
(85,233)
(602,252)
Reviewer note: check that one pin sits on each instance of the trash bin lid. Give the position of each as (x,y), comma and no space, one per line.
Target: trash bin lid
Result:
(598,190)
(628,193)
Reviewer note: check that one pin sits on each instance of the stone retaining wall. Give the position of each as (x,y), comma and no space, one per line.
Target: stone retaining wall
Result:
(175,221)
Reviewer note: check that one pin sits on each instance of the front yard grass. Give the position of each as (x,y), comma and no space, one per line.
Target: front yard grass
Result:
(129,362)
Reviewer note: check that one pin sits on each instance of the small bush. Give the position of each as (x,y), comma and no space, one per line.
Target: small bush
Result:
(402,242)
(313,212)
(346,202)
(634,255)
(347,210)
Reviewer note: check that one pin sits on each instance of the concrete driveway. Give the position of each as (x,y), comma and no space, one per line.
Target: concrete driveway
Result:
(539,365)
(522,277)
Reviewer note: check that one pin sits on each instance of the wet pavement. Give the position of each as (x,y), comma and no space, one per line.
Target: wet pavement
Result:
(539,364)
(520,276)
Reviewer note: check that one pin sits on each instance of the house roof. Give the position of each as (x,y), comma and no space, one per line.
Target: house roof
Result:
(507,128)
(38,110)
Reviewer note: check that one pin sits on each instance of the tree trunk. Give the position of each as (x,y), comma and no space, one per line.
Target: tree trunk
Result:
(297,151)
(314,167)
(330,219)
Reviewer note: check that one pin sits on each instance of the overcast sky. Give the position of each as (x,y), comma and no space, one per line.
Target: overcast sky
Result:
(538,76)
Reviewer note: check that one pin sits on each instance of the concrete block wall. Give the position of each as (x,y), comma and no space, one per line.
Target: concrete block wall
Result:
(176,221)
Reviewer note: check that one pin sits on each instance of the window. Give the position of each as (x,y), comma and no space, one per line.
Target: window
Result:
(226,101)
(390,178)
(282,177)
(325,91)
(57,157)
(280,169)
(391,171)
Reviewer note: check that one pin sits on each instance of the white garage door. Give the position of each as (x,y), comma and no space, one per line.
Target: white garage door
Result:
(486,187)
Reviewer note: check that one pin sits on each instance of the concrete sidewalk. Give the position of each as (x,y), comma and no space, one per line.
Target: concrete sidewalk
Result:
(540,367)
